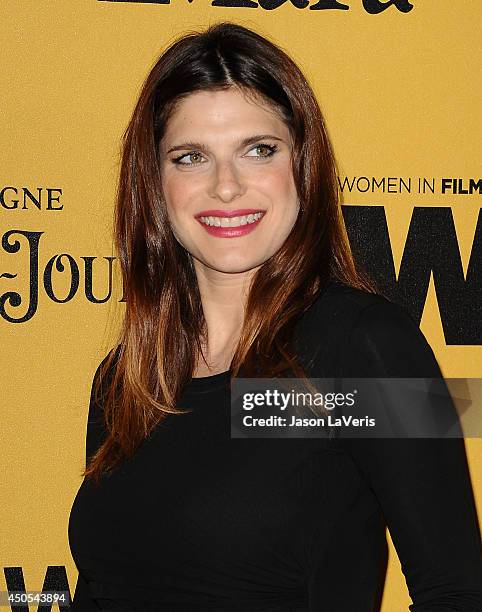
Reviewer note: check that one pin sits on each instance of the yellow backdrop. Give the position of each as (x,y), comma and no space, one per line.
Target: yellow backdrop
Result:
(401,93)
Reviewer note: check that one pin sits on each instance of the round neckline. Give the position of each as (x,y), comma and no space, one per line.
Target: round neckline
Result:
(208,381)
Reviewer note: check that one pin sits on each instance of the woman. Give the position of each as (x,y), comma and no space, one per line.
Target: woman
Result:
(235,262)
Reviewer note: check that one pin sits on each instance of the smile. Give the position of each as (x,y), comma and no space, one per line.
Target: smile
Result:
(231,221)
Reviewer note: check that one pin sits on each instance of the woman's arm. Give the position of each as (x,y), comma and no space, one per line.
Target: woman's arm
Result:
(423,485)
(82,600)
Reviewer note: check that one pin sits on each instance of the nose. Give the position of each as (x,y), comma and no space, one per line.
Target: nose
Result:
(227,184)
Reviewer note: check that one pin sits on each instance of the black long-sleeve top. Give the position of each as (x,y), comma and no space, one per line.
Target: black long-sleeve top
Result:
(199,521)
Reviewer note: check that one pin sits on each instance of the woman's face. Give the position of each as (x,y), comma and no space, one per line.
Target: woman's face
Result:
(225,158)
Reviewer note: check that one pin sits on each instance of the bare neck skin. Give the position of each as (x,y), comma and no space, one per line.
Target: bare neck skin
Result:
(223,299)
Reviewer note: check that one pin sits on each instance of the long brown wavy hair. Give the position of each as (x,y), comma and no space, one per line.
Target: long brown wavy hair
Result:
(160,340)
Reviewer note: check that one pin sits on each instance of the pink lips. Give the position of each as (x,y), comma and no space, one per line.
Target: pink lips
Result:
(229,232)
(228,213)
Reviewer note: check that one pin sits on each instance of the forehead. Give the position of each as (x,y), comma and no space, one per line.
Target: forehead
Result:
(222,112)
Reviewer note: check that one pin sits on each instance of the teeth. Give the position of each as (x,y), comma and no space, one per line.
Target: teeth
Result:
(232,221)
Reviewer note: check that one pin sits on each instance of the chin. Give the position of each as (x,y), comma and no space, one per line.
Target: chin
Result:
(234,265)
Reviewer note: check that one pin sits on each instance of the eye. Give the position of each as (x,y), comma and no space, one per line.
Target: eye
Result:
(263,150)
(194,156)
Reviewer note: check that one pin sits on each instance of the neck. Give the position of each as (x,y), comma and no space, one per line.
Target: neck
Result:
(223,297)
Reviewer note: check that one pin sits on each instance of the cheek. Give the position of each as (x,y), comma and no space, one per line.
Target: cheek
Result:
(176,193)
(282,189)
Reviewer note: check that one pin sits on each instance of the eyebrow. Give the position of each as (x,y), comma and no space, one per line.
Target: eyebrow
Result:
(244,142)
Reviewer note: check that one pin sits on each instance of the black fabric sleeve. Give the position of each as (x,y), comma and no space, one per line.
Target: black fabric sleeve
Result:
(95,433)
(423,485)
(83,601)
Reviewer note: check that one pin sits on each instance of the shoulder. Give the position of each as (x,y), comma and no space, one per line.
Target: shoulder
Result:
(96,427)
(339,309)
(349,302)
(103,376)
(358,333)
